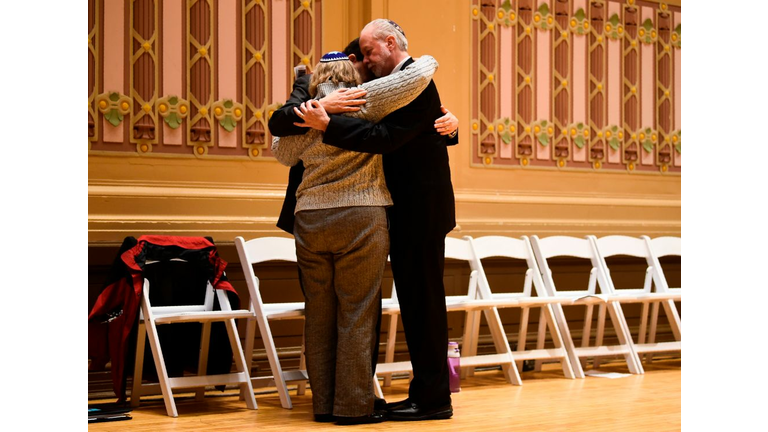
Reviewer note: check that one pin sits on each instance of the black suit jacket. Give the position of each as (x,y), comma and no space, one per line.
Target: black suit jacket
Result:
(281,124)
(415,159)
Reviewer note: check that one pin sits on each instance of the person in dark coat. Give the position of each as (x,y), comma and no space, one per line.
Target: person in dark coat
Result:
(418,176)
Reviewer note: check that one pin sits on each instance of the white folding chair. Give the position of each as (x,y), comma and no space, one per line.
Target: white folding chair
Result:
(566,246)
(458,249)
(391,307)
(531,294)
(152,316)
(661,247)
(618,245)
(259,250)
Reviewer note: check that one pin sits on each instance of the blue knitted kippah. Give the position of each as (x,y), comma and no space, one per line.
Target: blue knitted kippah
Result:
(333,56)
(394,24)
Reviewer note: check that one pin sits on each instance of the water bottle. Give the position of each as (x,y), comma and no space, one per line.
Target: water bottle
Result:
(454,380)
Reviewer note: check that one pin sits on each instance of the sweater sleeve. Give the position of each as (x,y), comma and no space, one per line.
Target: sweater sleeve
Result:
(288,150)
(394,91)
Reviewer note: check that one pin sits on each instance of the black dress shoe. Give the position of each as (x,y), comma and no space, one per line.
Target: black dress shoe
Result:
(376,417)
(400,404)
(412,412)
(379,404)
(325,418)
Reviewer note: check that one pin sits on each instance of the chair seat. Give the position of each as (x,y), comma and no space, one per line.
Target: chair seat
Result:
(181,317)
(276,311)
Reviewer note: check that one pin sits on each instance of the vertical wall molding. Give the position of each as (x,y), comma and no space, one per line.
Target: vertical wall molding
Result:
(580,85)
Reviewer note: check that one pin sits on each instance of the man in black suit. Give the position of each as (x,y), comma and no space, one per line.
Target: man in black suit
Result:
(419,179)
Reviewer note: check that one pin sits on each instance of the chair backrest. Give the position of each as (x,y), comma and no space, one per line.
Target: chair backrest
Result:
(567,246)
(461,249)
(264,249)
(660,247)
(615,245)
(513,248)
(259,250)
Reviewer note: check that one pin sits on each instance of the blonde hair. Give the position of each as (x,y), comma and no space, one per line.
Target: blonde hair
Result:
(340,71)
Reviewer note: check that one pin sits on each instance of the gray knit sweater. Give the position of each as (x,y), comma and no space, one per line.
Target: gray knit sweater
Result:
(334,177)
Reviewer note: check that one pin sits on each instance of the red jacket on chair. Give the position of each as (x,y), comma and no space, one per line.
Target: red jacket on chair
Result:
(115,314)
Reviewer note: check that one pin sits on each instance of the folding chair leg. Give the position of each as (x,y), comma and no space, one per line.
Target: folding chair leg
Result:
(250,334)
(246,387)
(467,340)
(652,335)
(475,335)
(522,334)
(641,332)
(600,333)
(138,367)
(377,388)
(625,339)
(540,336)
(274,363)
(389,355)
(202,363)
(301,388)
(502,345)
(557,339)
(674,318)
(570,348)
(162,373)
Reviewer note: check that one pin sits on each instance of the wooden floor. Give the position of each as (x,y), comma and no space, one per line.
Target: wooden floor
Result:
(545,402)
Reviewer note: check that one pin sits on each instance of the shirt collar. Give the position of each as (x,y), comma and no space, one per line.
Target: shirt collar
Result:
(399,66)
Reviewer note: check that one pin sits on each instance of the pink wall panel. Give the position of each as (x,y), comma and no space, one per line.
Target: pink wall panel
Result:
(543,86)
(579,85)
(172,78)
(279,40)
(227,64)
(647,85)
(677,90)
(506,86)
(114,62)
(613,83)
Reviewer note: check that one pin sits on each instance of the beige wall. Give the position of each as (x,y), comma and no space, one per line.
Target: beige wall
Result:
(131,195)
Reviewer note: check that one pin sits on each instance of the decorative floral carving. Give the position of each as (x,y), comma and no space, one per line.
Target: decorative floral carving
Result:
(173,110)
(228,113)
(114,106)
(579,132)
(579,23)
(646,32)
(506,15)
(676,36)
(613,135)
(613,28)
(506,130)
(543,132)
(542,19)
(676,141)
(648,139)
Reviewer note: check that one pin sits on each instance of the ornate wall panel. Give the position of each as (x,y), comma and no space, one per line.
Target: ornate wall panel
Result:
(94,38)
(193,78)
(576,84)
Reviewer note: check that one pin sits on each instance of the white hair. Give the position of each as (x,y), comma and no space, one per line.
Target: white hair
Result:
(384,27)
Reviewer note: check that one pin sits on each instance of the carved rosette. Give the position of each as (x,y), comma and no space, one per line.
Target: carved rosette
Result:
(173,110)
(543,19)
(647,32)
(613,28)
(114,106)
(505,15)
(228,113)
(579,23)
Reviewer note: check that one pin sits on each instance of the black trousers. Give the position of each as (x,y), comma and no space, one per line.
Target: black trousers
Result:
(417,255)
